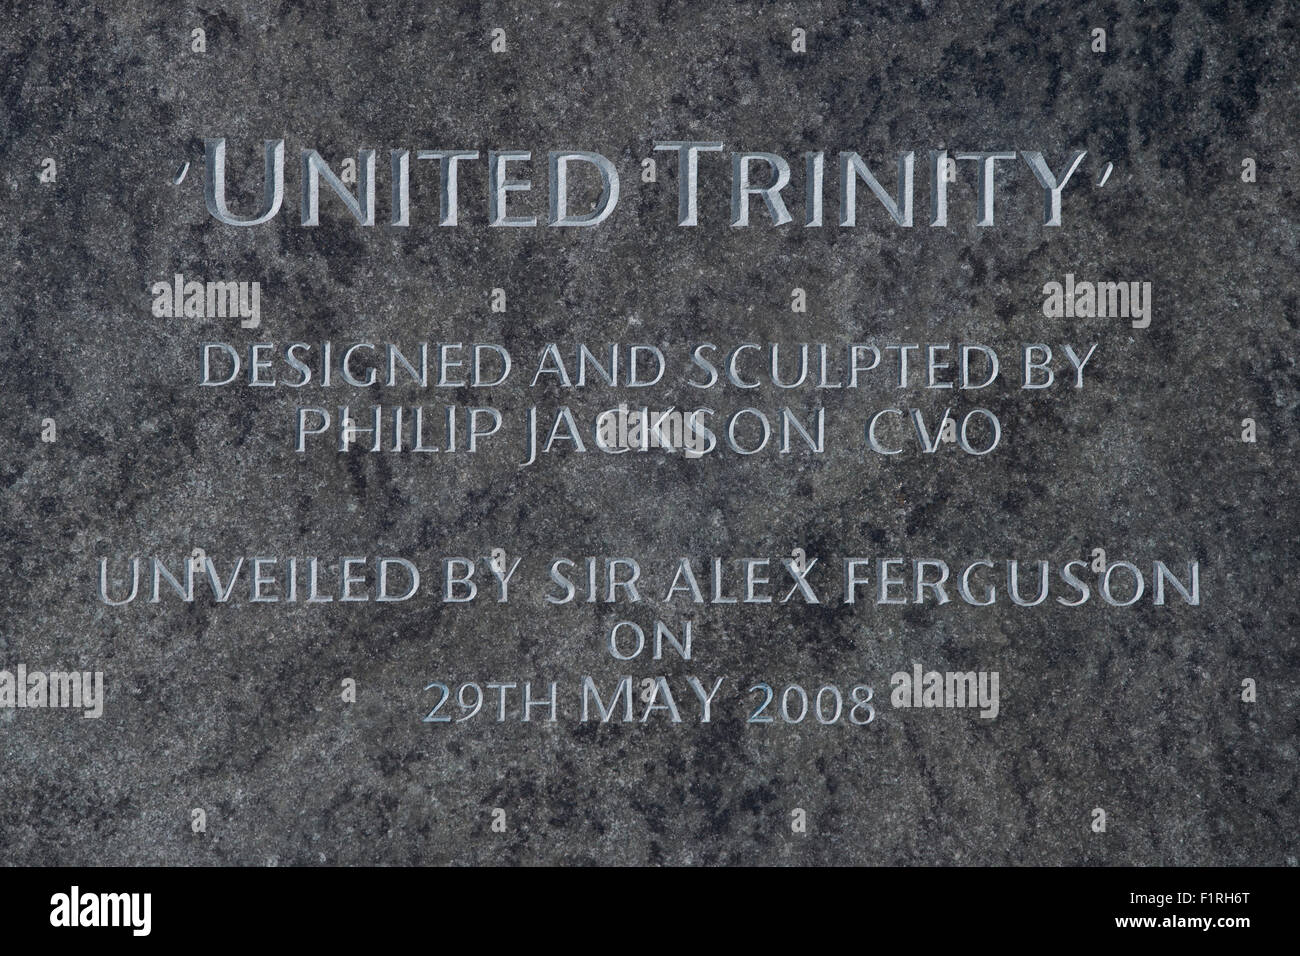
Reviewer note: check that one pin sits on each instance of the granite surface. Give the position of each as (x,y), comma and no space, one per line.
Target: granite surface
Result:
(236,708)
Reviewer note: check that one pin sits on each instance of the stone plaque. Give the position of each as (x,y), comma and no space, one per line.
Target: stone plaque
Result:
(649,434)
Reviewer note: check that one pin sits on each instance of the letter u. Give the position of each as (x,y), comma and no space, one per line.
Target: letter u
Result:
(1013,584)
(215,183)
(103,582)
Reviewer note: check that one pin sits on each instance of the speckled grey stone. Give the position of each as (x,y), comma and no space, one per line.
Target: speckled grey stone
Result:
(236,708)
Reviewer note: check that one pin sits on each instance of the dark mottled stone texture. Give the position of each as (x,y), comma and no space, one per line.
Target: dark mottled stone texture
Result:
(236,708)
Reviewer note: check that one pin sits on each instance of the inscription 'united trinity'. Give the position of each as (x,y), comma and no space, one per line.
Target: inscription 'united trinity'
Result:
(754,175)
